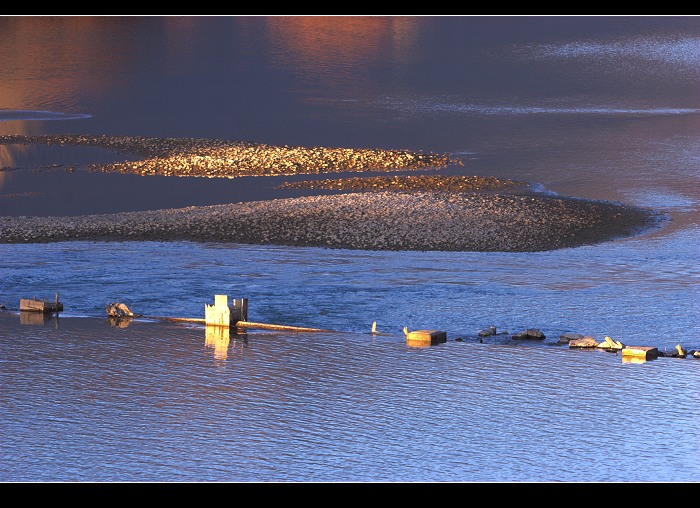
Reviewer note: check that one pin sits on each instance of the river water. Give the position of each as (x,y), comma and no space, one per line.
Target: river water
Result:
(601,108)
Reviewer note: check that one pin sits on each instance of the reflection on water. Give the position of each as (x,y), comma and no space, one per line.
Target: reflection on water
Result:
(225,343)
(119,321)
(217,338)
(633,359)
(149,403)
(8,155)
(418,343)
(35,318)
(59,63)
(27,127)
(38,156)
(329,50)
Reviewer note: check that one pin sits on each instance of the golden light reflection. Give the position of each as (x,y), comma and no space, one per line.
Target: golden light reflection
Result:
(329,48)
(218,338)
(119,321)
(404,36)
(56,62)
(633,359)
(8,155)
(181,34)
(25,127)
(418,343)
(63,63)
(33,318)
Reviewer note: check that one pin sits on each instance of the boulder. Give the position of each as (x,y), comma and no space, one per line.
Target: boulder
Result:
(682,353)
(118,310)
(568,337)
(491,330)
(609,343)
(677,352)
(530,333)
(585,342)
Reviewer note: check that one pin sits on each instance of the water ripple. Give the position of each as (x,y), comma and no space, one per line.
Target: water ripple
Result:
(7,115)
(155,401)
(432,105)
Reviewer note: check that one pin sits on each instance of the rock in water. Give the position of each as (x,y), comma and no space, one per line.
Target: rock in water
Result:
(124,310)
(585,342)
(530,333)
(568,337)
(491,330)
(117,309)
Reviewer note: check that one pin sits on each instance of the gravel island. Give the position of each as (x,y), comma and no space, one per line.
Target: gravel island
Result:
(424,213)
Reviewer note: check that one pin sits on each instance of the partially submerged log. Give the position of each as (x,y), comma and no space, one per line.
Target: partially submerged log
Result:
(286,328)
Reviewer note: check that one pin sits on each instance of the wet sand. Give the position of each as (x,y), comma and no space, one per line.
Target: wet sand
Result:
(425,212)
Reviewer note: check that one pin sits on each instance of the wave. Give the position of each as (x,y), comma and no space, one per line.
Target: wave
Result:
(681,51)
(435,106)
(7,115)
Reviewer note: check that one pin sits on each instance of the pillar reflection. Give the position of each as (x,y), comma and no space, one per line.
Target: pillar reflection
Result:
(33,318)
(633,359)
(217,338)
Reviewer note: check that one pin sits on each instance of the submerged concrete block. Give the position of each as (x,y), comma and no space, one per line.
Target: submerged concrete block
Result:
(425,337)
(642,352)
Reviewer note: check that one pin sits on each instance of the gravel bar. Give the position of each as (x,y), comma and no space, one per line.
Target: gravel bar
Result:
(424,213)
(420,221)
(411,183)
(224,158)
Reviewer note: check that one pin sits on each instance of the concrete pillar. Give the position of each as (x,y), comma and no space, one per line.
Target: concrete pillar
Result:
(218,314)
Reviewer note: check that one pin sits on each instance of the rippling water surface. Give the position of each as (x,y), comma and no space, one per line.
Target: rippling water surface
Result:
(599,108)
(589,290)
(163,402)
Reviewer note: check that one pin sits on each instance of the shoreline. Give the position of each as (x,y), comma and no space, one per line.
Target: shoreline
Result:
(419,213)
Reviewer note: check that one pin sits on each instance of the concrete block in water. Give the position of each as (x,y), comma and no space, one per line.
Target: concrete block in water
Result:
(425,337)
(218,314)
(642,352)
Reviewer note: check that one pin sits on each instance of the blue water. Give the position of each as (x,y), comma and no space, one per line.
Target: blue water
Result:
(160,402)
(599,108)
(569,290)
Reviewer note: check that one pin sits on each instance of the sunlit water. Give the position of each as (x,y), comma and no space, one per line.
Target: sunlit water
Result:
(600,108)
(161,402)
